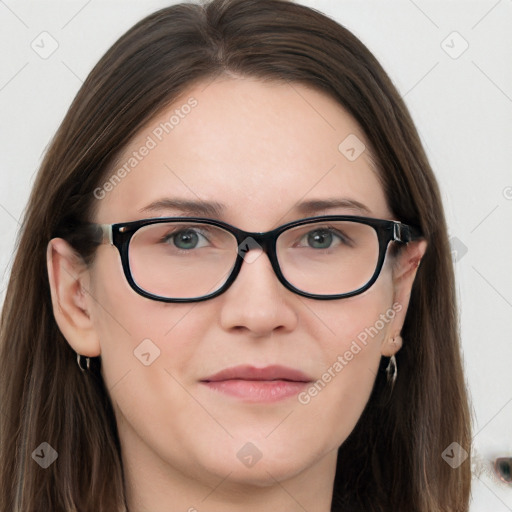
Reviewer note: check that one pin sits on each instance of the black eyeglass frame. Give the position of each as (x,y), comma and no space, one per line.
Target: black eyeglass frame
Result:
(120,234)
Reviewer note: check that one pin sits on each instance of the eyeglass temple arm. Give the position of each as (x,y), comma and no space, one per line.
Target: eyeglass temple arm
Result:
(102,233)
(404,233)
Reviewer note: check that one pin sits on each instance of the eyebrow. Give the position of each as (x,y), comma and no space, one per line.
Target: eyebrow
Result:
(198,208)
(316,205)
(215,209)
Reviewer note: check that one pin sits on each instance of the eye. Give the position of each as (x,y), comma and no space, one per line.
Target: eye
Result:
(324,238)
(186,239)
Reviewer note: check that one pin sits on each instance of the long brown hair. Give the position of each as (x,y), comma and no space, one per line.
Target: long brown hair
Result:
(392,460)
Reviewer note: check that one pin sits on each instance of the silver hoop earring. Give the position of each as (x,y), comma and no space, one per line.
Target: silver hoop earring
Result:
(392,371)
(80,363)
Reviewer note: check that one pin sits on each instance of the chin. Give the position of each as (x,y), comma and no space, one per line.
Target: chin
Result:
(265,473)
(259,462)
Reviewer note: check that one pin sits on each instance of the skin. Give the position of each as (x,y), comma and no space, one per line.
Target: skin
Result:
(259,148)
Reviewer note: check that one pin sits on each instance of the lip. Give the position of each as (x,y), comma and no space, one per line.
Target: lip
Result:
(251,384)
(247,372)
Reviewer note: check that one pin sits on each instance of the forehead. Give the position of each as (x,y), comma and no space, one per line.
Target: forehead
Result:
(257,148)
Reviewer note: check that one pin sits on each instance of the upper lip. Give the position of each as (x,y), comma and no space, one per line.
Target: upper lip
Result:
(247,372)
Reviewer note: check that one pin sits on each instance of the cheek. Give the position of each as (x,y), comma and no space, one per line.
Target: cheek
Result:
(359,324)
(136,333)
(146,349)
(350,356)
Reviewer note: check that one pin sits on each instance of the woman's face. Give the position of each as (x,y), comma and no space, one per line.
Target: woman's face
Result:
(261,150)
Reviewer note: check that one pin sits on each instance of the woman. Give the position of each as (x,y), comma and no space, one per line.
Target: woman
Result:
(233,288)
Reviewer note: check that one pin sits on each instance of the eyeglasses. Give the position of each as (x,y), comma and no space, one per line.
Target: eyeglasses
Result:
(190,259)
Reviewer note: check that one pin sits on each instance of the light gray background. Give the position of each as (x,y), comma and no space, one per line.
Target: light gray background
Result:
(460,100)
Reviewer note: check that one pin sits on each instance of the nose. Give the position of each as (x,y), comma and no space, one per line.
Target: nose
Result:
(257,302)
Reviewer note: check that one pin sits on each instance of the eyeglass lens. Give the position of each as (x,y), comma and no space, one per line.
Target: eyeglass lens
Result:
(189,260)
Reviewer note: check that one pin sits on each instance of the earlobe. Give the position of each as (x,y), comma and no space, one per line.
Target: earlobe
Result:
(392,346)
(68,279)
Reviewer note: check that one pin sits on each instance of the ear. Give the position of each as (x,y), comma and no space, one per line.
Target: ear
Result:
(69,279)
(405,267)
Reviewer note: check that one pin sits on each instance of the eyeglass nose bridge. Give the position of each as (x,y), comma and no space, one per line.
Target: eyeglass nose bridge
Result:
(248,242)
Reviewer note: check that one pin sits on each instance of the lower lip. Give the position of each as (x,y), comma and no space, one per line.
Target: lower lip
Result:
(258,390)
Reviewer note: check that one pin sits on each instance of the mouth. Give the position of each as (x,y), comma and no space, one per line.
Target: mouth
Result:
(251,384)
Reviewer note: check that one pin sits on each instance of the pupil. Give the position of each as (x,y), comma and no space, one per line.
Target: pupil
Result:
(504,468)
(319,238)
